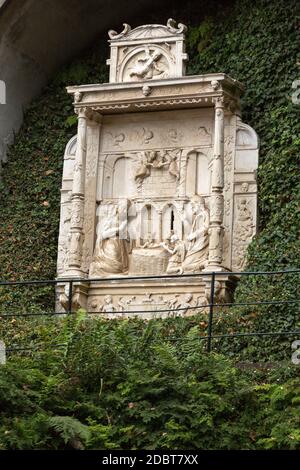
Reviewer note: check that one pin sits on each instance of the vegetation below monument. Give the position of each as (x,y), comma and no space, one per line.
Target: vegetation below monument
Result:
(91,393)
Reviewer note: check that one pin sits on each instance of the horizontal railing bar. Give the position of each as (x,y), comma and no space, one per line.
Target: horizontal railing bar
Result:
(259,302)
(196,307)
(34,348)
(131,278)
(234,335)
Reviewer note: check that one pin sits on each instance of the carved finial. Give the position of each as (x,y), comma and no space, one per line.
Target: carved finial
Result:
(114,35)
(171,25)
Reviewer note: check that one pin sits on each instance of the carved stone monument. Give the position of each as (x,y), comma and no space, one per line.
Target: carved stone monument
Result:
(160,179)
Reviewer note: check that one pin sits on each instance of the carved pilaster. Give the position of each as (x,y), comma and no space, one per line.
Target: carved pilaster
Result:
(89,225)
(216,199)
(77,202)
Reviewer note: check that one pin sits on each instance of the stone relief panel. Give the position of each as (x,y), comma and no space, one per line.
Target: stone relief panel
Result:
(147,305)
(162,130)
(152,242)
(245,189)
(65,208)
(93,136)
(64,228)
(160,179)
(146,62)
(161,187)
(243,230)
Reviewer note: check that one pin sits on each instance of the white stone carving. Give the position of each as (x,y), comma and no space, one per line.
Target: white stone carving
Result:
(176,249)
(111,251)
(197,249)
(162,181)
(243,233)
(147,64)
(148,52)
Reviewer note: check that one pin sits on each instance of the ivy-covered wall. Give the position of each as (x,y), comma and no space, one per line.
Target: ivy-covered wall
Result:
(256,42)
(88,383)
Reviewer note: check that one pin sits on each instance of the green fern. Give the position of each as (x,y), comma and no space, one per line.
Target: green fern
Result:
(71,430)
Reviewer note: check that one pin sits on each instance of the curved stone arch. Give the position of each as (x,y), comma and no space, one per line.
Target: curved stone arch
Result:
(106,169)
(247,148)
(70,149)
(246,137)
(121,181)
(170,223)
(146,221)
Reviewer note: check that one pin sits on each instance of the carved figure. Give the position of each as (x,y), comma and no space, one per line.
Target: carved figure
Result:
(245,226)
(197,249)
(243,233)
(146,67)
(143,169)
(176,248)
(111,252)
(173,163)
(149,243)
(108,306)
(185,304)
(124,303)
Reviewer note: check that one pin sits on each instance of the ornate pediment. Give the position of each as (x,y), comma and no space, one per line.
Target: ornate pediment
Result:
(147,52)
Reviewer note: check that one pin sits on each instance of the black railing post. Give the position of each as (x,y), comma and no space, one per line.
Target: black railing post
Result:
(211,311)
(70,296)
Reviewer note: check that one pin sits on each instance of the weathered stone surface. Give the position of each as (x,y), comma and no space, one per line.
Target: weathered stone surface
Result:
(159,180)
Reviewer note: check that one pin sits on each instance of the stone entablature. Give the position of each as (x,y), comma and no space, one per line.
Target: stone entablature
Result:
(160,179)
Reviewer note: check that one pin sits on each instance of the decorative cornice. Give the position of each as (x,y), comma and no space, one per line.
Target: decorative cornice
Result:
(148,31)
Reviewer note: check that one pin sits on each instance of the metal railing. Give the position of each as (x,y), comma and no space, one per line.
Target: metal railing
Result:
(211,276)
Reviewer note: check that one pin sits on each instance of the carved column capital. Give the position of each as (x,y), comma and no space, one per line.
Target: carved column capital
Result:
(219,102)
(85,112)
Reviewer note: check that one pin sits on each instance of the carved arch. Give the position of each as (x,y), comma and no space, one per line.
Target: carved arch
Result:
(70,149)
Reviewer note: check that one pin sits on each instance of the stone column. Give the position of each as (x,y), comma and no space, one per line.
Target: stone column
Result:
(77,202)
(181,185)
(216,197)
(160,226)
